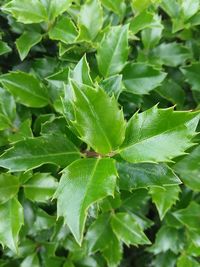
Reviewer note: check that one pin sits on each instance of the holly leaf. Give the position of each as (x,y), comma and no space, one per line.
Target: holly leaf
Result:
(64,31)
(40,187)
(34,152)
(12,214)
(112,52)
(141,78)
(31,261)
(191,74)
(26,11)
(187,261)
(90,20)
(128,230)
(57,7)
(9,186)
(141,21)
(117,6)
(26,88)
(83,182)
(101,128)
(189,169)
(26,41)
(164,198)
(143,175)
(158,135)
(4,48)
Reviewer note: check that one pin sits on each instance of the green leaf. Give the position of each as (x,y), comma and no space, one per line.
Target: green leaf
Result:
(57,7)
(81,72)
(26,11)
(98,234)
(189,216)
(141,21)
(26,41)
(171,7)
(140,78)
(128,230)
(64,31)
(112,52)
(171,54)
(4,48)
(98,119)
(34,152)
(31,261)
(192,75)
(164,198)
(189,169)
(10,225)
(26,88)
(112,85)
(189,8)
(9,186)
(7,105)
(186,261)
(158,135)
(140,5)
(83,182)
(21,133)
(40,187)
(116,6)
(90,20)
(168,238)
(143,175)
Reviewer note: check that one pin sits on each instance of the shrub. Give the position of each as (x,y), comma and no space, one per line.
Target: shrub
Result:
(100,157)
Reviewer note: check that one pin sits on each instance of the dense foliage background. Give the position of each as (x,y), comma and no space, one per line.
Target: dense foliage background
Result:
(99,165)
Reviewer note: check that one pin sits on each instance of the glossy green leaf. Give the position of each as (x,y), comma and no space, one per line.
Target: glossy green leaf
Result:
(21,133)
(57,7)
(128,230)
(168,238)
(64,31)
(140,5)
(40,187)
(81,72)
(90,20)
(10,225)
(9,186)
(30,261)
(164,198)
(171,54)
(26,88)
(101,128)
(145,175)
(158,135)
(140,78)
(189,169)
(4,48)
(26,11)
(26,41)
(113,51)
(113,85)
(189,8)
(141,21)
(34,152)
(84,182)
(189,216)
(191,74)
(116,6)
(7,105)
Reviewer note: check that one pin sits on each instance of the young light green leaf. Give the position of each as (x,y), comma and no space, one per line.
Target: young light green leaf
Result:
(189,169)
(10,225)
(128,230)
(26,11)
(158,135)
(98,119)
(31,261)
(141,21)
(143,175)
(4,48)
(9,186)
(34,152)
(57,7)
(164,198)
(112,52)
(26,88)
(189,8)
(141,78)
(23,132)
(40,187)
(168,238)
(81,72)
(117,6)
(90,20)
(191,73)
(26,41)
(83,182)
(64,31)
(171,54)
(187,261)
(189,216)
